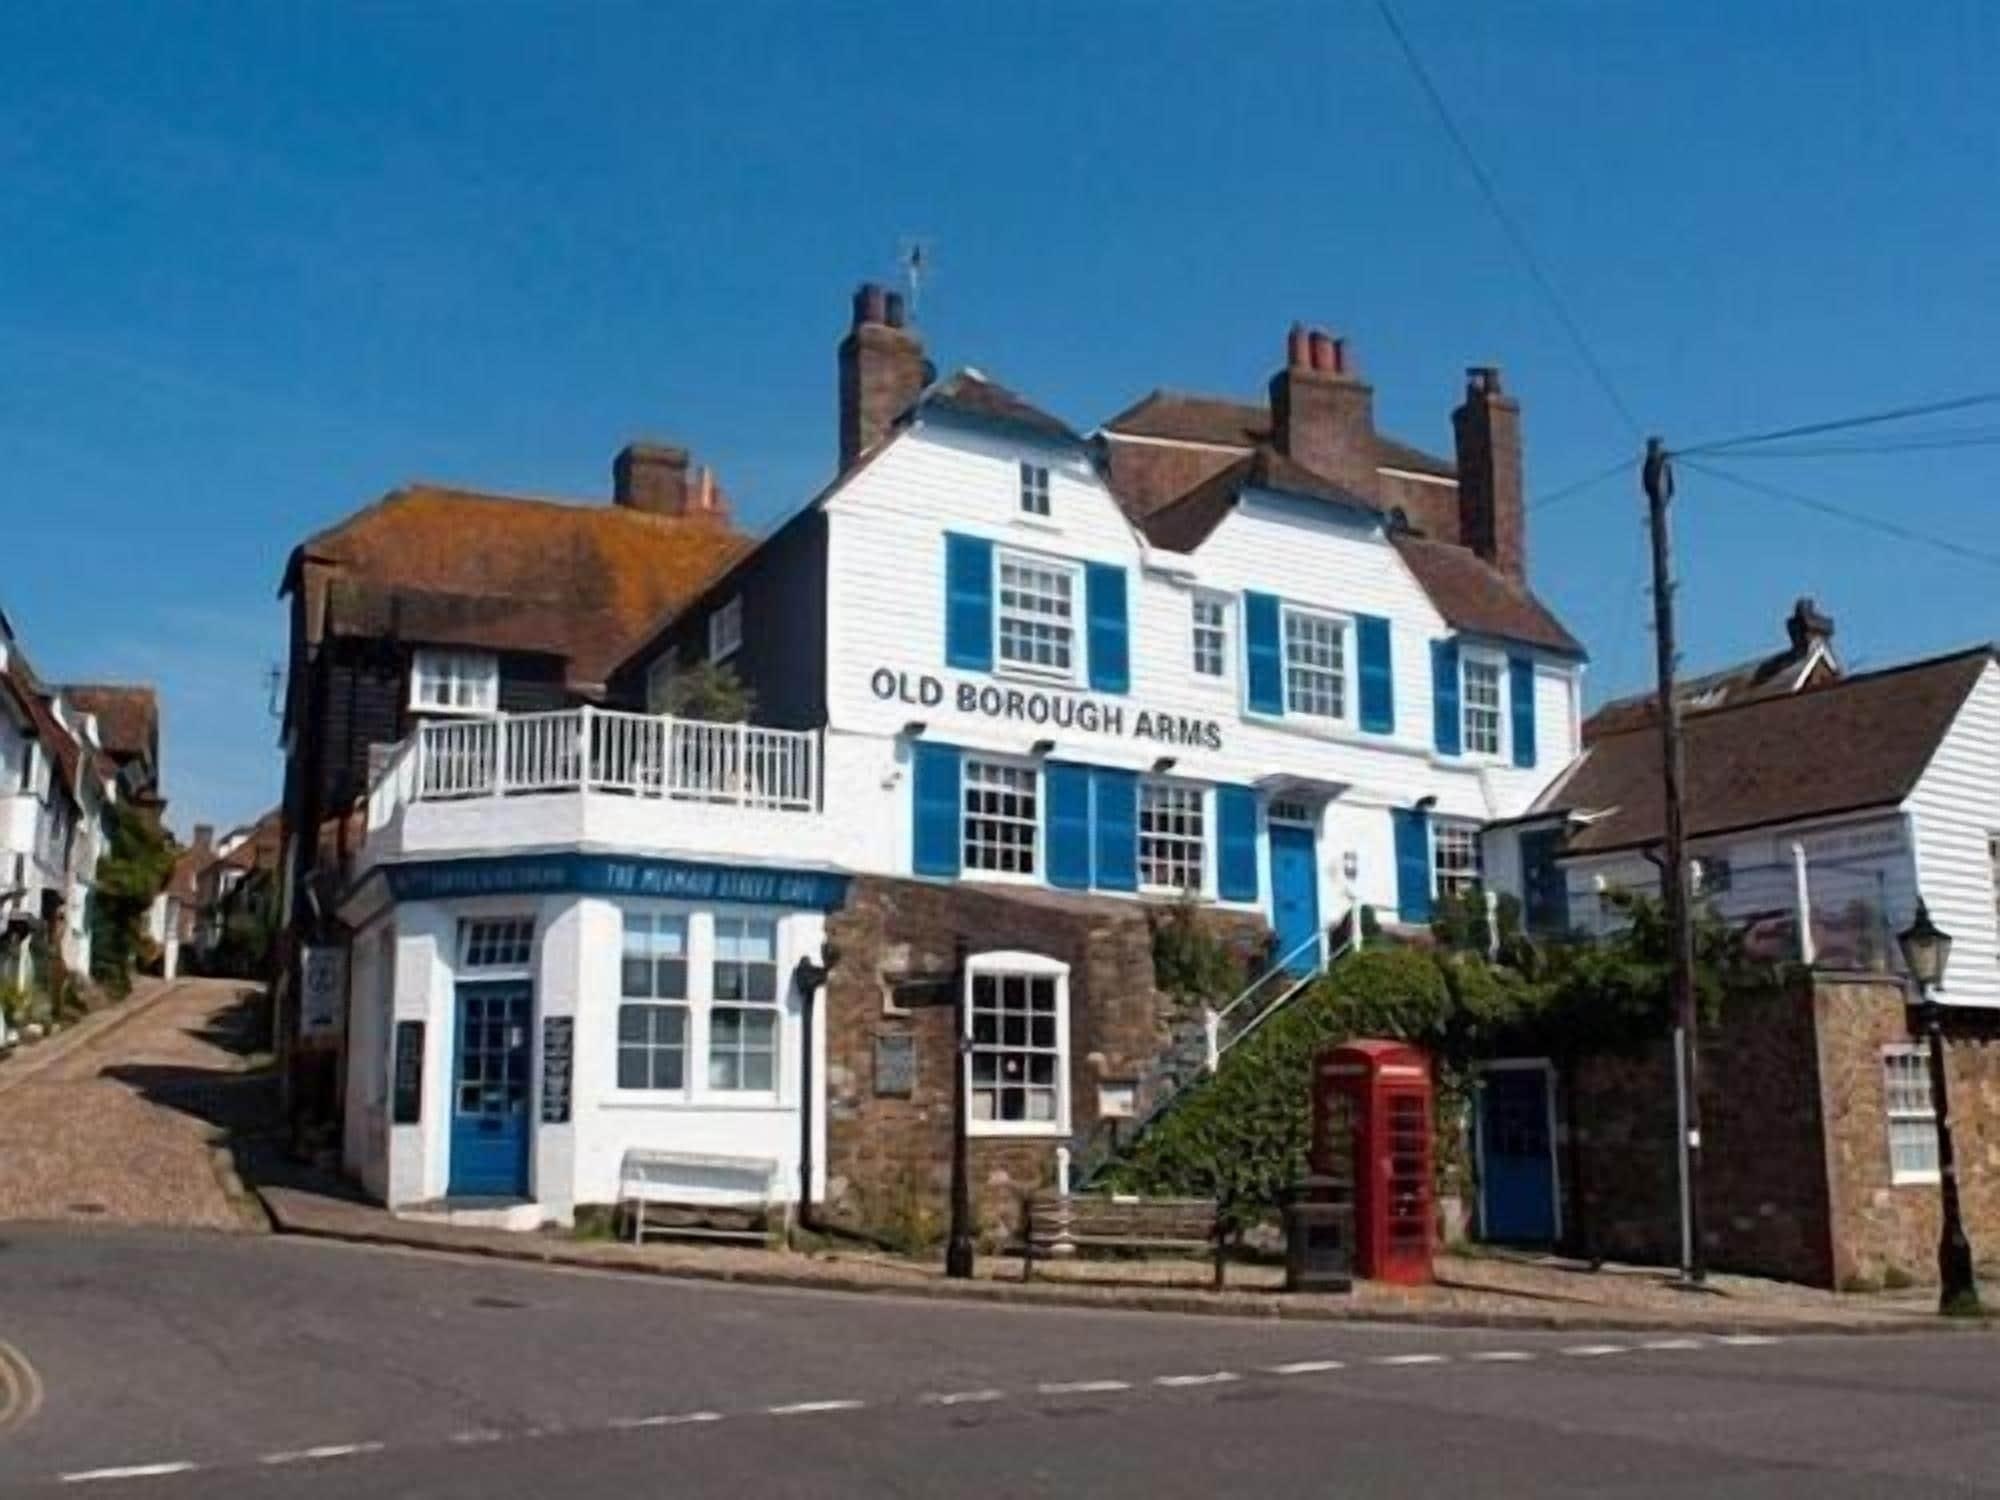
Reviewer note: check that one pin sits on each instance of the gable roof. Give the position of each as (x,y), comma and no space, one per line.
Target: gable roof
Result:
(1854,743)
(1807,661)
(970,393)
(128,716)
(1178,416)
(1184,524)
(465,567)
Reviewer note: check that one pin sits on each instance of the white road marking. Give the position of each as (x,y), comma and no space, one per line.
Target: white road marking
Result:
(477,1435)
(1412,1359)
(1500,1356)
(1081,1387)
(1590,1351)
(128,1471)
(961,1398)
(1746,1340)
(1305,1367)
(1671,1344)
(806,1408)
(666,1419)
(1213,1377)
(325,1450)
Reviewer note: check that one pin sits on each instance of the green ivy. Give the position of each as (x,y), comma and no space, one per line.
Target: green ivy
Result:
(132,870)
(1193,962)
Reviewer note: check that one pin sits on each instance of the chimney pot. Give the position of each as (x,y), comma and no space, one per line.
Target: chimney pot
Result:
(204,836)
(1319,346)
(1323,418)
(882,372)
(892,309)
(870,304)
(1298,348)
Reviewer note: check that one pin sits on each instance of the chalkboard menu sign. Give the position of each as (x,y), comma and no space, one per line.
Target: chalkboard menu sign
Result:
(407,1107)
(558,1036)
(895,1065)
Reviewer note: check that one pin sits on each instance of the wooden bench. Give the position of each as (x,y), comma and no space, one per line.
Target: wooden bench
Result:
(1055,1224)
(650,1177)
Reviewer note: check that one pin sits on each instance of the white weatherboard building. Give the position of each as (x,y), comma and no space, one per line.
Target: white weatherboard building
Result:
(993,656)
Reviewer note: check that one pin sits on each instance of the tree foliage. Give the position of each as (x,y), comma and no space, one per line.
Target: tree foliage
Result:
(710,691)
(133,869)
(1194,963)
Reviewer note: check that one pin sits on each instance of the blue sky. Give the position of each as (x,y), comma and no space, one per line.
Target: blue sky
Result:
(260,263)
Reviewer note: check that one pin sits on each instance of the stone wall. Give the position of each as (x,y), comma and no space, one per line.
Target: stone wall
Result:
(1764,1183)
(1882,1230)
(898,946)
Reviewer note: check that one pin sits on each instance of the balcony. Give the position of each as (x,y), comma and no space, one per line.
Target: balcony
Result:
(592,777)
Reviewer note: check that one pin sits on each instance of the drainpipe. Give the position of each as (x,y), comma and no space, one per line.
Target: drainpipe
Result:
(1802,901)
(810,976)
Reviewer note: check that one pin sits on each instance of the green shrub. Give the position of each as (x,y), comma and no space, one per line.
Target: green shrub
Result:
(1193,962)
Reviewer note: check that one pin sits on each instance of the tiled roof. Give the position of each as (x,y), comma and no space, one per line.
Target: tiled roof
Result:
(1808,661)
(971,394)
(1476,597)
(1854,743)
(1185,524)
(1180,417)
(463,567)
(128,715)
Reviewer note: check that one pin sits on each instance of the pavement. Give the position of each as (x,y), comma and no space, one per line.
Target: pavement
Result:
(1484,1290)
(118,1118)
(177,1363)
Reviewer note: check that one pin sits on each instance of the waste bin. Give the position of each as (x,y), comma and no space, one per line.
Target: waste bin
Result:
(1319,1236)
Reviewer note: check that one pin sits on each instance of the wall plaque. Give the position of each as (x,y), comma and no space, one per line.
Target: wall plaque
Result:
(558,1035)
(407,1107)
(895,1065)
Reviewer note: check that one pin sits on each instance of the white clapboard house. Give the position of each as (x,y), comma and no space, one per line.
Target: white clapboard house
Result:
(1257,654)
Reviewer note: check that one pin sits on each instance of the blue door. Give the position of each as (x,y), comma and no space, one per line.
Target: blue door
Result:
(1517,1168)
(1295,896)
(489,1091)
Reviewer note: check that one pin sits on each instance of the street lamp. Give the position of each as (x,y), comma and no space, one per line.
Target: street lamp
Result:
(1926,949)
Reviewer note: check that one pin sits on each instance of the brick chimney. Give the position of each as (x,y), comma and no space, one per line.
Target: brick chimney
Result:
(652,477)
(882,371)
(1487,430)
(204,837)
(1323,413)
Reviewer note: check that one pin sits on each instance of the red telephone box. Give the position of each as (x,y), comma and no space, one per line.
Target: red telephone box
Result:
(1372,1113)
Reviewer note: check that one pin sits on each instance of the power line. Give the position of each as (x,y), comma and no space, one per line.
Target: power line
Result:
(1621,465)
(1903,533)
(1868,419)
(1507,223)
(1925,443)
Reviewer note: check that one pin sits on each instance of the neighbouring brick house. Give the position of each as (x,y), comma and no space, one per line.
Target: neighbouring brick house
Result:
(1822,804)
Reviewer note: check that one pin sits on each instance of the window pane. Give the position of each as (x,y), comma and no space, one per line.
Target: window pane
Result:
(632,1023)
(636,976)
(632,1067)
(668,1069)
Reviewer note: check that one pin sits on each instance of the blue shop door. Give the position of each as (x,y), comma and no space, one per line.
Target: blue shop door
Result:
(1517,1179)
(489,1091)
(1295,896)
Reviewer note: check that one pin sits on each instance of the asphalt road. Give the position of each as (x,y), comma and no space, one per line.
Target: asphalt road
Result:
(185,1364)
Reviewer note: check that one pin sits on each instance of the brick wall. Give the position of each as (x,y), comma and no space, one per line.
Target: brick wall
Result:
(1883,1229)
(1764,1198)
(889,1158)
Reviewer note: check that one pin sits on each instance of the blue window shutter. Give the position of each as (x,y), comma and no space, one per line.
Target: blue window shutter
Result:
(1117,816)
(1413,864)
(1521,695)
(1444,695)
(1378,683)
(935,813)
(1067,789)
(968,602)
(1236,862)
(1104,607)
(1263,654)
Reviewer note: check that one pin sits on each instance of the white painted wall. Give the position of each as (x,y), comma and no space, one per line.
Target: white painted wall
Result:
(1954,810)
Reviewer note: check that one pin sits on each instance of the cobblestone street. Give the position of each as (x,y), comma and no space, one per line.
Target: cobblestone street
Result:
(118,1123)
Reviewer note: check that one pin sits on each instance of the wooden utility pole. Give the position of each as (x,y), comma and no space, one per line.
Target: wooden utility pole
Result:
(1658,479)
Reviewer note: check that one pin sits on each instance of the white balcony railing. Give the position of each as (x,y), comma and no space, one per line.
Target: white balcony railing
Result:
(598,750)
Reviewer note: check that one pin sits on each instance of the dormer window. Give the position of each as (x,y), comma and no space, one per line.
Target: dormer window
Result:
(1481,702)
(1034,490)
(455,682)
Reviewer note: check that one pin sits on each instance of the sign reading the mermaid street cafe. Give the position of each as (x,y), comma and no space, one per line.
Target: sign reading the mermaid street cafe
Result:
(1044,709)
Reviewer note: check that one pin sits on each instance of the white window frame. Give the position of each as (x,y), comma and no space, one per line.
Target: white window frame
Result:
(454,682)
(685,1004)
(1035,500)
(1348,677)
(1900,1106)
(1170,846)
(1470,658)
(725,630)
(478,935)
(774,1006)
(1003,665)
(1218,629)
(703,921)
(1011,770)
(1031,966)
(1455,828)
